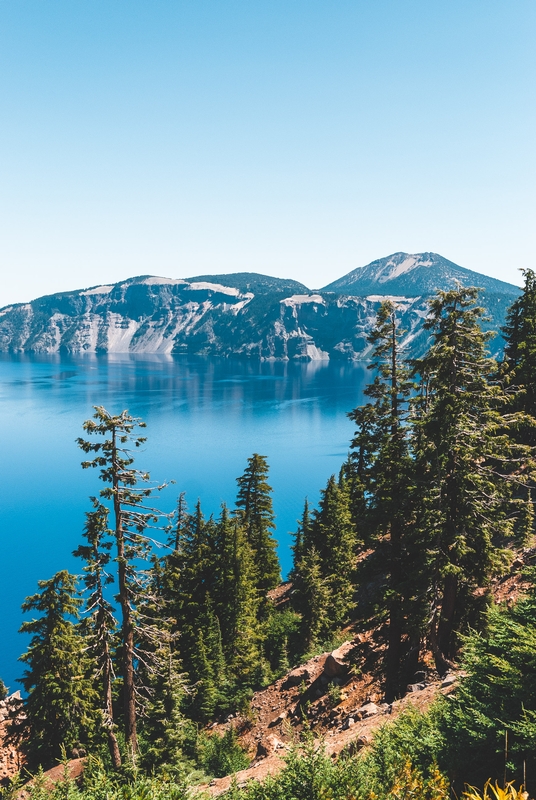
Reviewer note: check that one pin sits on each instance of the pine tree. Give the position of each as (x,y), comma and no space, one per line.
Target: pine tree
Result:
(237,600)
(471,464)
(518,370)
(519,365)
(311,599)
(100,625)
(382,459)
(61,703)
(131,518)
(334,538)
(255,512)
(302,540)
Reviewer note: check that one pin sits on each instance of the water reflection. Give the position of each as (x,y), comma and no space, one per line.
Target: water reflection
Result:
(204,418)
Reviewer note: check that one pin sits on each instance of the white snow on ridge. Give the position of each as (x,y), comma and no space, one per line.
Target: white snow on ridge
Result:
(215,287)
(379,298)
(409,263)
(297,299)
(155,281)
(98,290)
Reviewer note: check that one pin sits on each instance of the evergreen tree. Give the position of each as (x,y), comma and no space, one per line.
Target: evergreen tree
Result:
(518,370)
(131,518)
(100,625)
(334,538)
(311,599)
(302,540)
(237,600)
(61,703)
(255,512)
(519,365)
(471,465)
(382,460)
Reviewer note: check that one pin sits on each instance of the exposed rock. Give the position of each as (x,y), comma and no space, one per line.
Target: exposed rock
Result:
(335,665)
(416,687)
(268,745)
(348,723)
(368,710)
(278,720)
(11,760)
(296,677)
(73,771)
(246,314)
(449,679)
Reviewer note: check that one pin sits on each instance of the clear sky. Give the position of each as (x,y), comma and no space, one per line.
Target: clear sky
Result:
(292,137)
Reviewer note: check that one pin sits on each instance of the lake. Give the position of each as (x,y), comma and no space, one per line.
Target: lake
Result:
(204,418)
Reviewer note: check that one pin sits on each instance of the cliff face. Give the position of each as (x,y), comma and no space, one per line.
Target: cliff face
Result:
(156,315)
(244,315)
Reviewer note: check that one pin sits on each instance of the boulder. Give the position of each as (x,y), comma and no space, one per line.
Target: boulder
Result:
(335,665)
(278,720)
(296,677)
(416,687)
(268,745)
(368,710)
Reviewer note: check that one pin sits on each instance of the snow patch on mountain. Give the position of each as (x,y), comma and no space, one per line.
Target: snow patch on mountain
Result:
(298,299)
(97,290)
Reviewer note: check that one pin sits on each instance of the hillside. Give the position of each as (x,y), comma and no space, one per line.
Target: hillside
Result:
(415,275)
(244,314)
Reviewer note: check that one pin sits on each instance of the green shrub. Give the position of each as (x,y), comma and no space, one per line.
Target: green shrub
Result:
(221,755)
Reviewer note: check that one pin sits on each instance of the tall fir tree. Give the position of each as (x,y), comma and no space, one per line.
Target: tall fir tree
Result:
(334,538)
(237,600)
(381,458)
(100,624)
(469,460)
(132,516)
(256,515)
(519,365)
(61,705)
(311,599)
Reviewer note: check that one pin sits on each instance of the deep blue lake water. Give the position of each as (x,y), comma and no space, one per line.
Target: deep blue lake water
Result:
(204,418)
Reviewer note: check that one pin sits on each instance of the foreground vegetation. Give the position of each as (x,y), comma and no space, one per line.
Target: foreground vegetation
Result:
(429,507)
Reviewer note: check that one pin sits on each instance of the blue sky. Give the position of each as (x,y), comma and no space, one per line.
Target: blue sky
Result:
(299,139)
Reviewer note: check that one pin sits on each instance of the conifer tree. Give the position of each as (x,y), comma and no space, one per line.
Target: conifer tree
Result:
(237,599)
(100,624)
(382,460)
(61,703)
(469,459)
(519,365)
(131,518)
(311,598)
(302,540)
(334,538)
(255,512)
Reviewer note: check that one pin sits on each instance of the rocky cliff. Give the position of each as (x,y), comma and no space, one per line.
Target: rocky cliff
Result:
(242,314)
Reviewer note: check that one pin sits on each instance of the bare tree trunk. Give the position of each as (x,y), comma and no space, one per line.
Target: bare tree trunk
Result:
(129,696)
(107,687)
(446,620)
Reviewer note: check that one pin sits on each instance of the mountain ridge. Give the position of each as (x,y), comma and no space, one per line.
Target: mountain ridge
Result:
(414,274)
(244,314)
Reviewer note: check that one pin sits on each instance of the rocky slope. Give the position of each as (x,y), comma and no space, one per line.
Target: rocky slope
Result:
(415,274)
(11,760)
(242,314)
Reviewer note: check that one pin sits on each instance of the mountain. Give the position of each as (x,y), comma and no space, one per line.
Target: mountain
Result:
(414,275)
(253,282)
(244,314)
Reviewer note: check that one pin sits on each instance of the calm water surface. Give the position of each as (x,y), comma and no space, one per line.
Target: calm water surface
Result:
(204,418)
